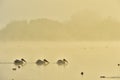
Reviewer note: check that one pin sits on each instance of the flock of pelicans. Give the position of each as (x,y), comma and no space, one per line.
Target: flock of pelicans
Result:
(21,62)
(62,62)
(45,62)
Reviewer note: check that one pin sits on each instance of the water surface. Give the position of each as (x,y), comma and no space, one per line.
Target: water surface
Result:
(93,58)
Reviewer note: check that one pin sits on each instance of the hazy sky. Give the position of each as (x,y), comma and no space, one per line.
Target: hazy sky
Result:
(54,9)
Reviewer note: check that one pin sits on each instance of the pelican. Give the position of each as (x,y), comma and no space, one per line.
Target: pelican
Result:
(19,62)
(42,62)
(62,62)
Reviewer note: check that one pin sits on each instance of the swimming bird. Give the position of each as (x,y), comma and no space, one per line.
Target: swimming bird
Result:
(62,62)
(102,76)
(19,63)
(82,73)
(42,62)
(14,69)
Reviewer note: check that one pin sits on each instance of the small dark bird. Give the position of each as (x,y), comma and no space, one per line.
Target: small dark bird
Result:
(102,77)
(19,67)
(14,69)
(82,73)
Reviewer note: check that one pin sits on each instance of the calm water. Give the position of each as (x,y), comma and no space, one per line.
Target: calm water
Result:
(93,58)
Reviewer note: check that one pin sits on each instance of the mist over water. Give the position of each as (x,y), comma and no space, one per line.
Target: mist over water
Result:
(84,32)
(93,58)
